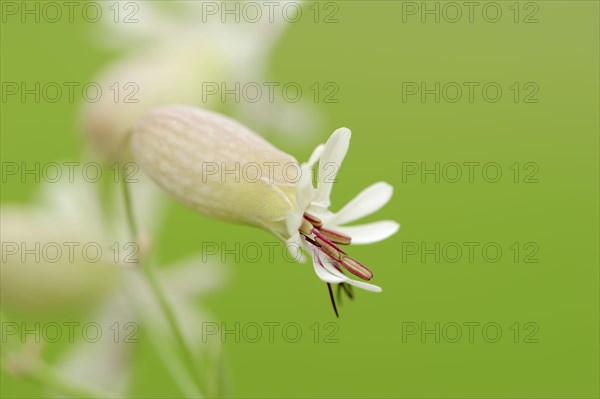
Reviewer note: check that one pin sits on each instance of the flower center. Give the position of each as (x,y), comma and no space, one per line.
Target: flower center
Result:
(327,241)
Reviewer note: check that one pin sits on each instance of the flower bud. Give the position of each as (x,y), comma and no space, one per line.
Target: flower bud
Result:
(46,268)
(216,166)
(132,86)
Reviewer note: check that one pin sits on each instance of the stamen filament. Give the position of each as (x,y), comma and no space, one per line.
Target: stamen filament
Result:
(327,240)
(336,237)
(356,268)
(329,250)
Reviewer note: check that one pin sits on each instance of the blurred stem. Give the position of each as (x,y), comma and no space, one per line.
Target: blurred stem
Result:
(157,290)
(173,324)
(129,210)
(176,368)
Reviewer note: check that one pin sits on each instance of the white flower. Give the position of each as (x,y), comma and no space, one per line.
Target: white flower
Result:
(60,278)
(103,292)
(175,145)
(319,231)
(106,365)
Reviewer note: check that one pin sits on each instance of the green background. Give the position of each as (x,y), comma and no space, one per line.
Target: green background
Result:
(368,53)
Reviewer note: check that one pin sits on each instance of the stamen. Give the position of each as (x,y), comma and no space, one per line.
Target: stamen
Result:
(315,221)
(306,227)
(330,250)
(356,268)
(328,241)
(336,237)
(325,240)
(310,240)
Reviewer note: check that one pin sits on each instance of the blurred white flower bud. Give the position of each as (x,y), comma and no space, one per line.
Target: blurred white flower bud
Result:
(50,260)
(170,54)
(133,86)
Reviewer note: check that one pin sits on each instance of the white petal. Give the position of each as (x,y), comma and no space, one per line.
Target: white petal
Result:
(295,244)
(370,233)
(104,365)
(294,219)
(329,164)
(323,274)
(364,286)
(316,154)
(368,201)
(305,192)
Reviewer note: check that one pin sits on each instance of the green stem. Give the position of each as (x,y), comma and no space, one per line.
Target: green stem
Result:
(173,324)
(160,296)
(129,209)
(176,368)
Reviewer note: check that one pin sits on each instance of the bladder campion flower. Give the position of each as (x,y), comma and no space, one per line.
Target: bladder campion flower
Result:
(175,144)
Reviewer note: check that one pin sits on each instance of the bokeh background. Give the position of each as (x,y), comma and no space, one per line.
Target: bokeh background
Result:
(368,53)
